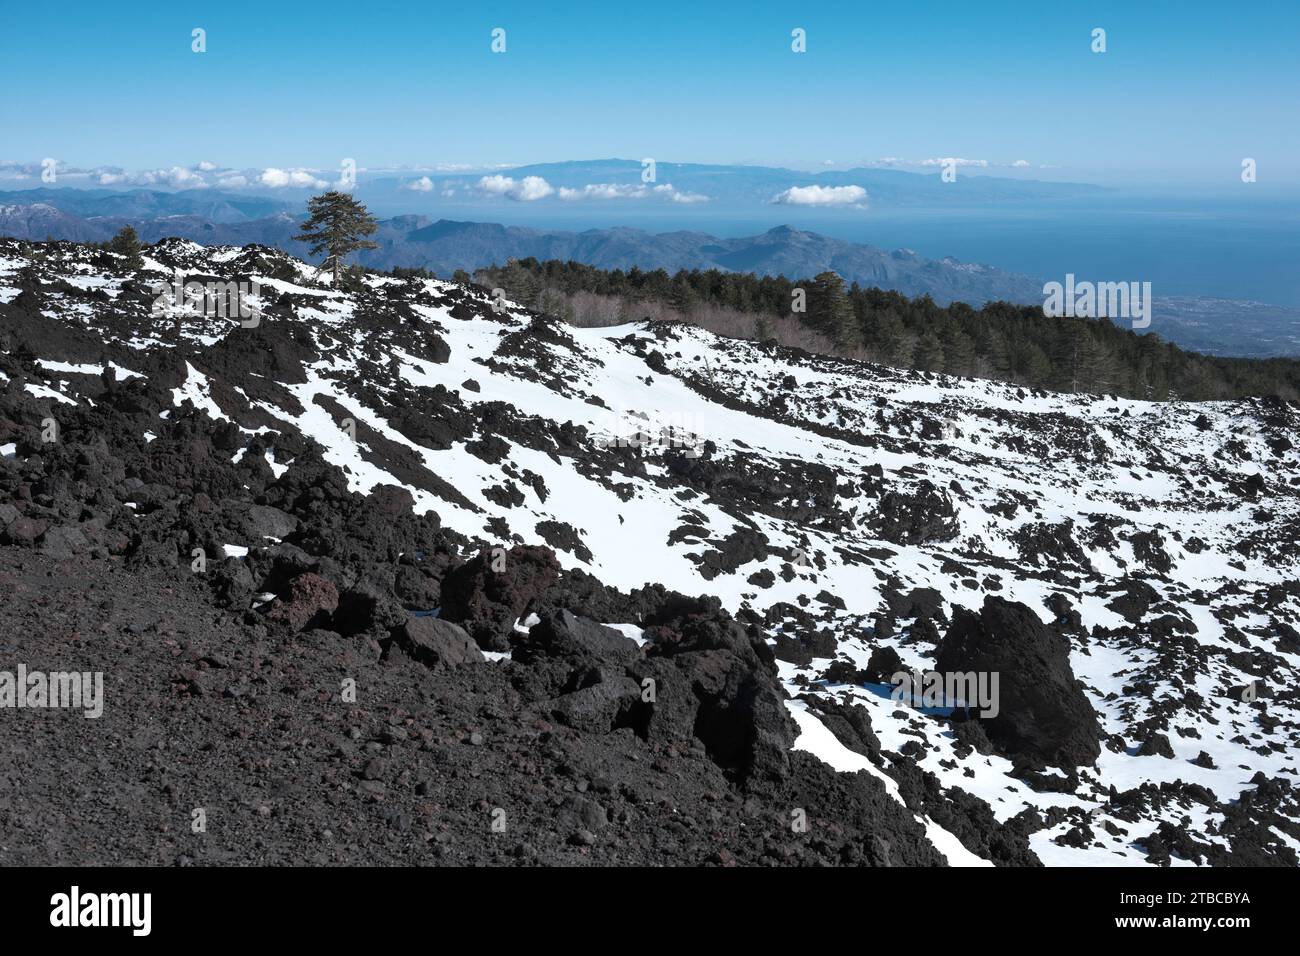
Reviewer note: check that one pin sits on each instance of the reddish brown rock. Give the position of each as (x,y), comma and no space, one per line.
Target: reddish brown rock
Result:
(311,601)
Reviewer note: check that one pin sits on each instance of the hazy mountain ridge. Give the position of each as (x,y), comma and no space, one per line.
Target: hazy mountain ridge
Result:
(1213,326)
(444,246)
(733,184)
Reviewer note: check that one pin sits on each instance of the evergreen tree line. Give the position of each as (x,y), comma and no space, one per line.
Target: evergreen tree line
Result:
(1001,340)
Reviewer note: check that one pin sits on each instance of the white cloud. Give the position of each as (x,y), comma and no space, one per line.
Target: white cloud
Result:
(496,184)
(533,187)
(179,177)
(950,161)
(630,191)
(9,169)
(605,191)
(954,161)
(677,196)
(822,196)
(422,185)
(206,167)
(522,190)
(235,181)
(291,178)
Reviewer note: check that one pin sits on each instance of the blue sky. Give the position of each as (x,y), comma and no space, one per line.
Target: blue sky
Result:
(1183,93)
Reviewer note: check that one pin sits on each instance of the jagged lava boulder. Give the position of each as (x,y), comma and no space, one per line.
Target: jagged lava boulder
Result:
(1043,715)
(437,643)
(489,593)
(311,600)
(717,682)
(924,514)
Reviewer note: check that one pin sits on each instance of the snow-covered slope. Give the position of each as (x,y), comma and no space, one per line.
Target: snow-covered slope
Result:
(845,508)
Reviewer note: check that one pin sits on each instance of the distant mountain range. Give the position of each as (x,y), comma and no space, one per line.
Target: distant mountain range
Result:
(613,186)
(212,217)
(726,186)
(443,245)
(139,204)
(446,245)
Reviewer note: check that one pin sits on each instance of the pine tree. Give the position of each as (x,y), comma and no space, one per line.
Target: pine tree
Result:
(904,347)
(890,338)
(928,355)
(958,351)
(1037,367)
(127,243)
(1096,367)
(682,296)
(337,225)
(831,311)
(521,283)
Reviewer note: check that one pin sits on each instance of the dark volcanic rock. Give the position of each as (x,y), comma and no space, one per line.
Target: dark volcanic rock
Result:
(311,601)
(23,531)
(916,517)
(918,602)
(1043,714)
(368,607)
(487,594)
(717,683)
(437,643)
(64,542)
(850,723)
(1156,745)
(883,664)
(563,634)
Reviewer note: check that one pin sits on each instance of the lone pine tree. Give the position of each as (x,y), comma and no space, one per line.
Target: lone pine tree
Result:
(337,226)
(832,312)
(127,243)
